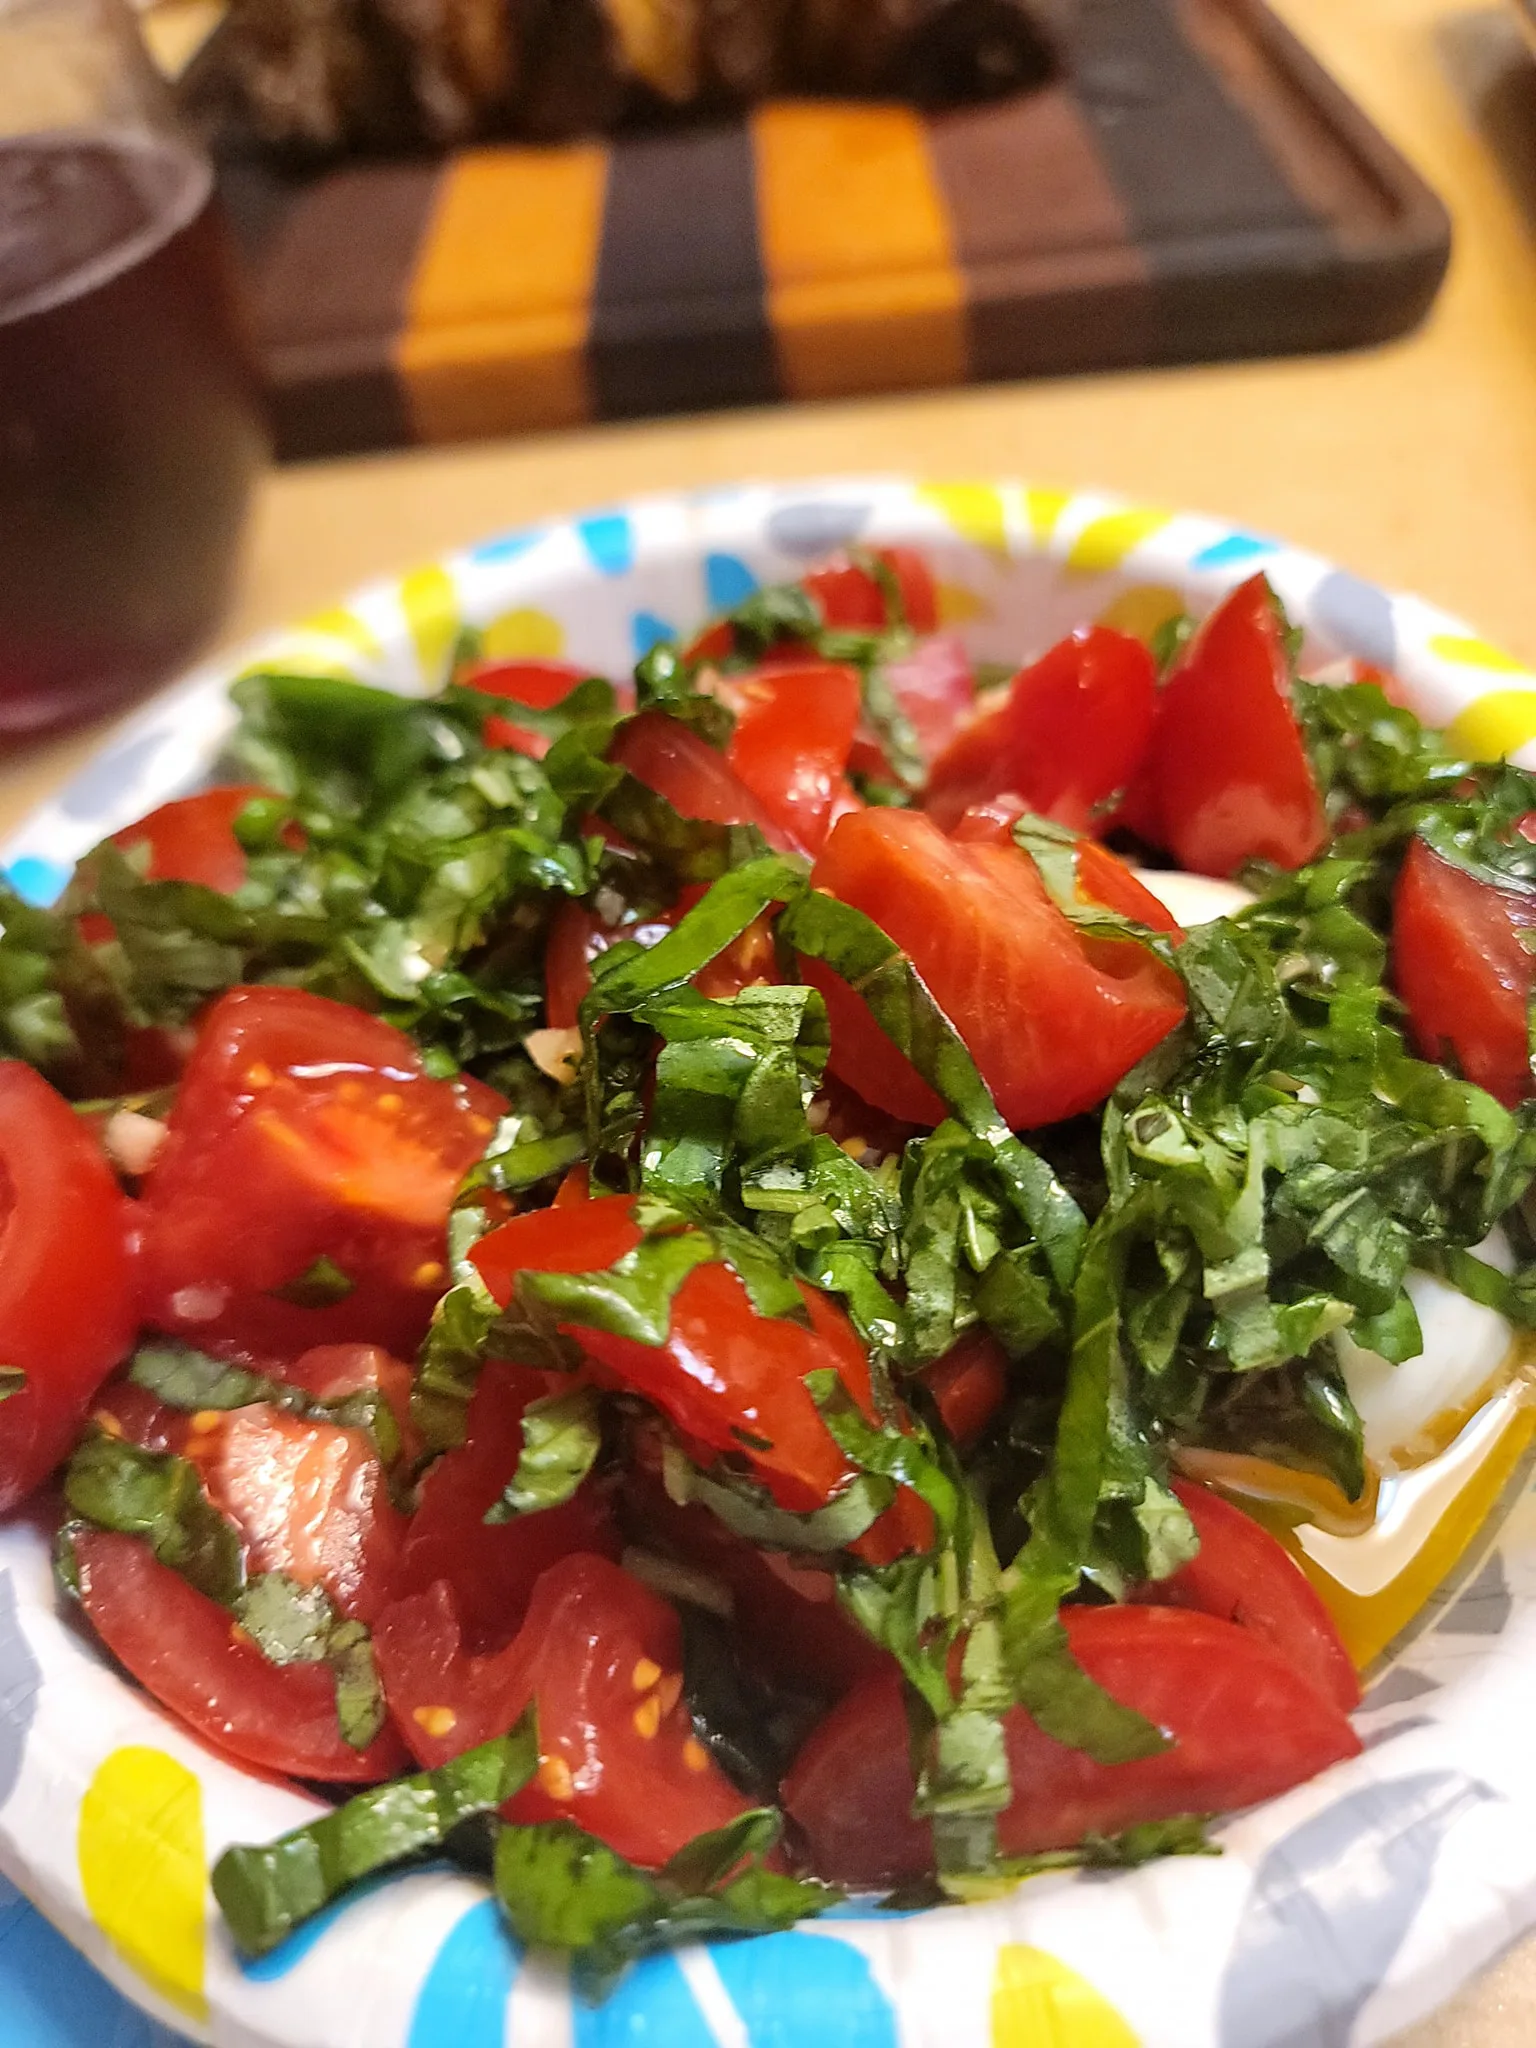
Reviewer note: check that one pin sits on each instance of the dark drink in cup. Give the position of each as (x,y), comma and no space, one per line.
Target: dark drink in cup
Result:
(129,427)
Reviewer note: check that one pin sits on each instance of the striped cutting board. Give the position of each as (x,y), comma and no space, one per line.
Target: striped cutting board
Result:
(1198,187)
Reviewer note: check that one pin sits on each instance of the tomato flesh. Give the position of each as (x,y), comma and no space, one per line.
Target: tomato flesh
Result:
(1070,735)
(1243,1575)
(67,1287)
(305,1130)
(187,1652)
(193,839)
(791,743)
(1227,779)
(1464,971)
(851,598)
(492,1568)
(694,777)
(969,1385)
(1052,1023)
(539,684)
(1102,877)
(1245,1727)
(601,1656)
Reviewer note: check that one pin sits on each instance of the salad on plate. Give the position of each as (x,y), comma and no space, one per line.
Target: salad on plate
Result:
(706,1291)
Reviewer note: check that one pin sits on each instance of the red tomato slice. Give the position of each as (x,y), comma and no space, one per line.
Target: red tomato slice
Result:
(1071,734)
(791,744)
(852,600)
(601,1656)
(1244,1576)
(1227,777)
(67,1293)
(492,1568)
(577,936)
(1462,968)
(539,684)
(969,1384)
(188,1652)
(305,1129)
(727,1377)
(1101,876)
(193,839)
(694,777)
(308,1499)
(1051,1021)
(334,1372)
(1245,1728)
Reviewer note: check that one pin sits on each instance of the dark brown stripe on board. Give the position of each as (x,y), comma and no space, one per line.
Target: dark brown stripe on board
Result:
(679,319)
(1042,237)
(332,290)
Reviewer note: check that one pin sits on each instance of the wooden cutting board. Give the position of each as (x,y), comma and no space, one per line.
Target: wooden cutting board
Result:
(1197,187)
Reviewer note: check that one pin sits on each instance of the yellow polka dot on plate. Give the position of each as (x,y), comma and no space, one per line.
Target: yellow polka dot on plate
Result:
(1495,725)
(1104,543)
(430,600)
(1037,2002)
(975,511)
(523,636)
(1140,610)
(1468,652)
(143,1870)
(1043,508)
(957,604)
(344,626)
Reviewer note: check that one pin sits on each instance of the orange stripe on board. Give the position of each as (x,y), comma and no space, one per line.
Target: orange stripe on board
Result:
(863,286)
(500,302)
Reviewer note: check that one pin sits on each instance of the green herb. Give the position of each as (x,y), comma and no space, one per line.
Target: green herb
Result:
(13,1380)
(154,1495)
(562,1436)
(266,1892)
(293,1624)
(320,1285)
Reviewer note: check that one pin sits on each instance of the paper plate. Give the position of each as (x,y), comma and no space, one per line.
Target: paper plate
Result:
(1334,1916)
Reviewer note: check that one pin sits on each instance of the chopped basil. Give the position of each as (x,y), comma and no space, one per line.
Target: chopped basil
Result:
(159,1497)
(562,1435)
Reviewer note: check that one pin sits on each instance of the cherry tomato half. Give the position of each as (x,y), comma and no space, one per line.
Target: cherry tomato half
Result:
(1462,967)
(1227,779)
(1243,1575)
(188,1652)
(1245,1727)
(67,1293)
(1052,1021)
(969,1384)
(601,1657)
(1072,732)
(303,1130)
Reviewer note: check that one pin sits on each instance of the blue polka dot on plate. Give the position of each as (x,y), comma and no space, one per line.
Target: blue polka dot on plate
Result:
(36,880)
(463,2003)
(1234,549)
(817,527)
(651,2008)
(805,1991)
(728,582)
(50,1997)
(506,547)
(647,631)
(609,538)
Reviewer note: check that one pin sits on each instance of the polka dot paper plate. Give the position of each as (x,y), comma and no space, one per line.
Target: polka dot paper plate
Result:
(1334,1916)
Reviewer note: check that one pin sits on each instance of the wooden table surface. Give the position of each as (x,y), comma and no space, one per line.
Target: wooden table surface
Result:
(1414,464)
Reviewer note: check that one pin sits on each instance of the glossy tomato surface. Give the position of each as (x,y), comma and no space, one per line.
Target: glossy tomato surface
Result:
(1245,1727)
(1243,1575)
(1102,877)
(857,598)
(538,684)
(794,729)
(601,1657)
(188,1652)
(193,839)
(1071,733)
(695,778)
(1227,778)
(1462,966)
(305,1130)
(1052,1021)
(68,1307)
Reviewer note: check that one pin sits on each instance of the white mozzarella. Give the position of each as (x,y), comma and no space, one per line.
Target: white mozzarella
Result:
(1465,1345)
(1193,899)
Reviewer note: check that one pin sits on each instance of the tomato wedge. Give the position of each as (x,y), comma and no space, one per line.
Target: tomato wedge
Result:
(1051,1021)
(853,599)
(1227,779)
(193,839)
(969,1384)
(309,1499)
(493,1568)
(729,1379)
(1463,968)
(1102,877)
(1244,1576)
(305,1130)
(67,1293)
(539,684)
(1245,1727)
(601,1656)
(1070,735)
(694,777)
(790,747)
(187,1652)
